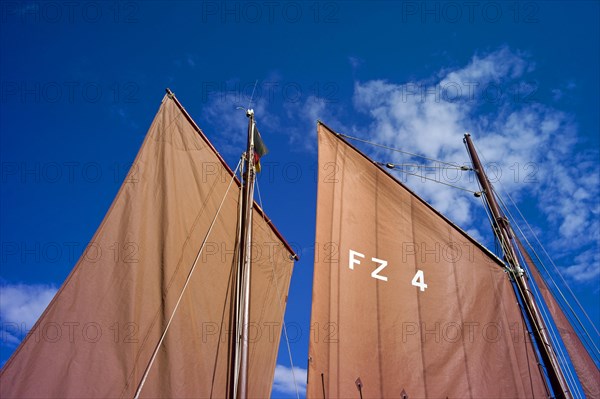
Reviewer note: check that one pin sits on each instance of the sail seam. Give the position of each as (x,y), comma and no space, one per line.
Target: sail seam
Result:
(419,316)
(462,318)
(173,276)
(379,341)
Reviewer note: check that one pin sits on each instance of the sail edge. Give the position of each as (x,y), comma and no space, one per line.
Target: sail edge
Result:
(427,204)
(262,213)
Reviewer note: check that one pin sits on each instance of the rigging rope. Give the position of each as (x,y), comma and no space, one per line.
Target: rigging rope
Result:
(395,149)
(538,328)
(557,348)
(393,167)
(557,272)
(413,165)
(567,303)
(498,238)
(189,276)
(574,315)
(287,341)
(508,256)
(230,278)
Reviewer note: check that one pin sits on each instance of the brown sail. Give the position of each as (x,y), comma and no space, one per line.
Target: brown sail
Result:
(405,304)
(586,369)
(97,336)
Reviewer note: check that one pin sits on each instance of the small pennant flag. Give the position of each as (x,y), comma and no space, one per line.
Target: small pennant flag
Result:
(260,149)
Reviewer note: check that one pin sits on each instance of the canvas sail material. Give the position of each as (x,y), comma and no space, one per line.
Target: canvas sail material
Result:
(403,301)
(586,369)
(98,334)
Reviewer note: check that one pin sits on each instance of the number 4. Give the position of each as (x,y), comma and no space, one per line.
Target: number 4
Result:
(419,280)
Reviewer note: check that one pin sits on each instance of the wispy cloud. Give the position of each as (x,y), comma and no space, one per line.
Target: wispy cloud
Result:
(355,62)
(584,267)
(188,59)
(20,307)
(529,147)
(284,380)
(302,132)
(191,60)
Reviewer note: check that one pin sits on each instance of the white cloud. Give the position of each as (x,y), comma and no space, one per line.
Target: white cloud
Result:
(498,66)
(414,123)
(528,146)
(584,267)
(284,380)
(20,307)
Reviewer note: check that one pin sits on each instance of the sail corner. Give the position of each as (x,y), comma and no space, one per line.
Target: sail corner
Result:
(320,123)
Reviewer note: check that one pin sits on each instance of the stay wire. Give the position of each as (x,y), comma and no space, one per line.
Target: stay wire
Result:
(396,149)
(557,348)
(556,269)
(508,257)
(572,311)
(426,178)
(538,328)
(567,303)
(287,341)
(422,166)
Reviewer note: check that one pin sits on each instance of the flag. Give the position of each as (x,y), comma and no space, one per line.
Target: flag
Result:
(260,149)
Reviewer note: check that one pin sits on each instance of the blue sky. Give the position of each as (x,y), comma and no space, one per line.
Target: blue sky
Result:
(81,82)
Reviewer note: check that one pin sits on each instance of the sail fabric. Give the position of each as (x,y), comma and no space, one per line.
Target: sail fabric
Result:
(98,334)
(404,302)
(586,369)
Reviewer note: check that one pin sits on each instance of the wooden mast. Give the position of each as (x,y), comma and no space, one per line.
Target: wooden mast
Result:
(245,255)
(503,232)
(237,382)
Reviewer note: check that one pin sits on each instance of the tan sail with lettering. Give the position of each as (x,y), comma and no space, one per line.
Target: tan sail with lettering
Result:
(404,302)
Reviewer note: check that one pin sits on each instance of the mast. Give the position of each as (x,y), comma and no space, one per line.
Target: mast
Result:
(503,232)
(237,386)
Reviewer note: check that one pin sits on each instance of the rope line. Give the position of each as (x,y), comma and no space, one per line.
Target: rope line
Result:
(567,303)
(559,274)
(572,311)
(550,347)
(395,149)
(189,276)
(393,167)
(422,166)
(557,348)
(287,341)
(515,275)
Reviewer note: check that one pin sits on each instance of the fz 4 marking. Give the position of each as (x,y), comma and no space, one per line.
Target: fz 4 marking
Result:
(353,259)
